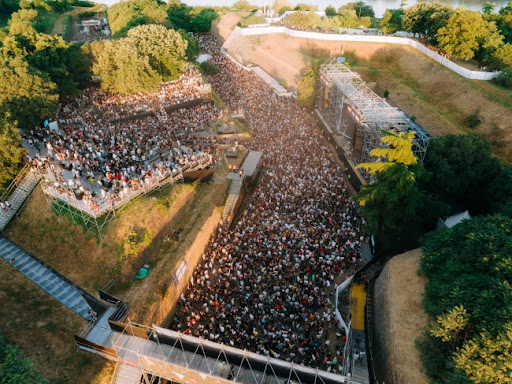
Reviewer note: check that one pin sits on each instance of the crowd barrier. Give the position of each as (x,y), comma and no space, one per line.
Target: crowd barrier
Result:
(467,73)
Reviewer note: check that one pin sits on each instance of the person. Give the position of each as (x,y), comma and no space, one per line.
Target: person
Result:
(93,315)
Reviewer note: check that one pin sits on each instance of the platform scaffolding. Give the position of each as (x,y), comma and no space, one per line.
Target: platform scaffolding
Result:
(95,215)
(356,113)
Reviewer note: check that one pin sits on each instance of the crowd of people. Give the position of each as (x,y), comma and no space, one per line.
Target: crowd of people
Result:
(101,153)
(267,284)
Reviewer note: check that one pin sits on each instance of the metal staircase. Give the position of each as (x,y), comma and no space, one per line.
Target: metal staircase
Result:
(126,374)
(49,280)
(17,193)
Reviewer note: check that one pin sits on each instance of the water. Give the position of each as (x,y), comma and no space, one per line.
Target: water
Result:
(378,5)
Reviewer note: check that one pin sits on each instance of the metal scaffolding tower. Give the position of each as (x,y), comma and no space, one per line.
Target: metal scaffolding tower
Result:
(345,102)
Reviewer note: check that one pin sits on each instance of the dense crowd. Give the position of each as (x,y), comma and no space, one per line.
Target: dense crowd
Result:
(100,156)
(267,285)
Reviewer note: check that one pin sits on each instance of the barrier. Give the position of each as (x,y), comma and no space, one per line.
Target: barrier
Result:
(469,74)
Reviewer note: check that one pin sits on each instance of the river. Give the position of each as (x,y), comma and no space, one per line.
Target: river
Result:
(378,5)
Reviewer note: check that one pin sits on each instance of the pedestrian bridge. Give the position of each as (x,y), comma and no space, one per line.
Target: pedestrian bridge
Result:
(146,353)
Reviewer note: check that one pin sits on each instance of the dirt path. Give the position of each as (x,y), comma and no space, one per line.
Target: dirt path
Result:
(57,27)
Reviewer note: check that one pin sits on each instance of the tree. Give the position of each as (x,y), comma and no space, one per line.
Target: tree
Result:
(22,21)
(362,9)
(244,6)
(123,70)
(281,6)
(203,21)
(504,78)
(427,18)
(395,208)
(302,7)
(469,268)
(462,167)
(209,68)
(26,94)
(330,11)
(500,193)
(488,8)
(306,89)
(7,7)
(465,32)
(15,369)
(504,22)
(11,152)
(124,15)
(487,358)
(165,49)
(391,22)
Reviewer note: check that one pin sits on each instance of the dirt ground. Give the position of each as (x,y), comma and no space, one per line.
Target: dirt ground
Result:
(440,100)
(399,320)
(44,329)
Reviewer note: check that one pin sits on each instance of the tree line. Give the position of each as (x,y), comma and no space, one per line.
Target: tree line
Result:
(39,70)
(469,266)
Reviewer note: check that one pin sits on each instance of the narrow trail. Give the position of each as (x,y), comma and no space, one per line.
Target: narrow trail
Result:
(57,27)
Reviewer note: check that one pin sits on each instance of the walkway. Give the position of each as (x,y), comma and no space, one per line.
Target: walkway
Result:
(167,354)
(17,194)
(49,280)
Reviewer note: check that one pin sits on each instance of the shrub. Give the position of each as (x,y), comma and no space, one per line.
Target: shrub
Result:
(504,78)
(251,20)
(209,68)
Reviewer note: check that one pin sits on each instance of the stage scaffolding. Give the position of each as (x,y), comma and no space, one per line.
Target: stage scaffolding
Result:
(341,90)
(97,217)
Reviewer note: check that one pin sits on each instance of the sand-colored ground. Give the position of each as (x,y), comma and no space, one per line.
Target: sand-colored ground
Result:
(398,320)
(440,100)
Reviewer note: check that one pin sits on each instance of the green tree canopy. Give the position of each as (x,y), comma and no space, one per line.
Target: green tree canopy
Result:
(470,269)
(11,152)
(462,167)
(22,21)
(124,15)
(26,94)
(427,18)
(467,31)
(149,55)
(391,22)
(396,210)
(123,70)
(16,369)
(330,11)
(165,49)
(500,193)
(306,89)
(362,9)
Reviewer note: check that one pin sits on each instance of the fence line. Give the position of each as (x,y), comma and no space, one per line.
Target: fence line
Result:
(467,73)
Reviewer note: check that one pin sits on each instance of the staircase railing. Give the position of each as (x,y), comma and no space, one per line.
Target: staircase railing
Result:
(17,181)
(119,364)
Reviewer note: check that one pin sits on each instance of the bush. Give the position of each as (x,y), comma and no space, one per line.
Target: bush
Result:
(209,68)
(251,20)
(504,78)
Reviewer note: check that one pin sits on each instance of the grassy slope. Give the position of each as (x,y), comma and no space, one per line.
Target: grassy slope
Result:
(42,327)
(440,100)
